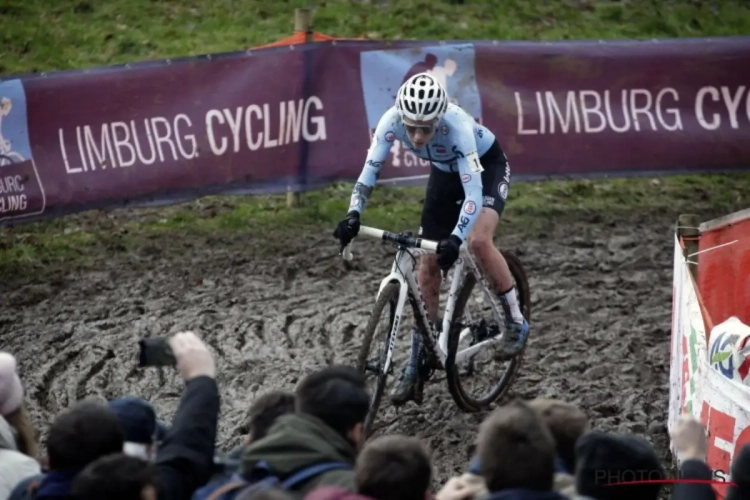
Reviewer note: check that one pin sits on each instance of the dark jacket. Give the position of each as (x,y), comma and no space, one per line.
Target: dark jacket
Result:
(184,460)
(298,441)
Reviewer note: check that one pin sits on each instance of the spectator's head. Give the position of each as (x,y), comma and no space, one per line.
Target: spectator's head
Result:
(394,468)
(604,459)
(567,423)
(740,475)
(12,406)
(116,477)
(337,395)
(264,412)
(82,433)
(516,450)
(140,428)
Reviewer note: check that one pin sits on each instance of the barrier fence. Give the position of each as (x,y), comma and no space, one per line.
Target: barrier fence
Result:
(262,120)
(710,347)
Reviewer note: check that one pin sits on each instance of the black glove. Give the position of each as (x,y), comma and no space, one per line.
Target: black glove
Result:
(447,252)
(348,228)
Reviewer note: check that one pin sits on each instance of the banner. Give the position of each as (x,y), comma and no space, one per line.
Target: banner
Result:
(300,117)
(722,404)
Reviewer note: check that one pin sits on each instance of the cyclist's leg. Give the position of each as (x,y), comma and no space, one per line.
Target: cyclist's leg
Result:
(495,182)
(440,212)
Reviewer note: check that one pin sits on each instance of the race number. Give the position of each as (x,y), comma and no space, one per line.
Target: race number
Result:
(474,164)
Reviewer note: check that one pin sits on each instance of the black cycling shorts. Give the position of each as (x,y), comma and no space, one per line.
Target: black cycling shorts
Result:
(444,196)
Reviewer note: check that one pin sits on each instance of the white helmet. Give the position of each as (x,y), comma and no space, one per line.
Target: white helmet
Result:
(422,99)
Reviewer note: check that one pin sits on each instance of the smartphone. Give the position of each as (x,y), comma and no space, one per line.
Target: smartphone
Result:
(155,351)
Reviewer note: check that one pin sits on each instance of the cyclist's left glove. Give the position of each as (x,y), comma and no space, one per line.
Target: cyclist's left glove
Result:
(447,252)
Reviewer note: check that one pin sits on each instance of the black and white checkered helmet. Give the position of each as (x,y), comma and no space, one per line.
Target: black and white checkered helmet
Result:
(422,99)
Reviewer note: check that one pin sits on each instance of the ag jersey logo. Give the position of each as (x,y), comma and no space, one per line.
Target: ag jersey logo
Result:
(384,71)
(21,191)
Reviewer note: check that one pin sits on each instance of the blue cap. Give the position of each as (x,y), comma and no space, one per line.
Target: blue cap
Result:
(138,420)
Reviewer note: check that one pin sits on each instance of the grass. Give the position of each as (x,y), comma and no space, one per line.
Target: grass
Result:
(39,35)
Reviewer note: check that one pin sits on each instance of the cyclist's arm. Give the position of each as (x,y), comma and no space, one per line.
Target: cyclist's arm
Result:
(376,156)
(470,170)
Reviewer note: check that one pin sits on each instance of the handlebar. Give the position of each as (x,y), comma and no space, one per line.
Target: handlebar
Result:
(398,238)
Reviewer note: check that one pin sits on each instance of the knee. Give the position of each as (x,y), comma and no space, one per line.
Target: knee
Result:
(481,243)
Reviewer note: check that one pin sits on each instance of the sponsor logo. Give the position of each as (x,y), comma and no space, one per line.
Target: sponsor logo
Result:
(440,150)
(390,136)
(488,201)
(470,207)
(462,223)
(465,178)
(456,152)
(503,190)
(444,130)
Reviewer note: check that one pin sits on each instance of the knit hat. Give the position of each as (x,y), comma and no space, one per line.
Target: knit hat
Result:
(607,462)
(11,390)
(138,420)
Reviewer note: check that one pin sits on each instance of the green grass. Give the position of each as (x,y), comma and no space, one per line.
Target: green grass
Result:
(41,35)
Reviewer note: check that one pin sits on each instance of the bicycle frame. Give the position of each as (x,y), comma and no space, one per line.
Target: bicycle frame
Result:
(402,272)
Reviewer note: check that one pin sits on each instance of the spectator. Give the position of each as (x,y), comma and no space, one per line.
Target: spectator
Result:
(388,468)
(141,429)
(606,459)
(516,453)
(184,461)
(262,415)
(13,409)
(78,436)
(567,423)
(740,475)
(331,406)
(691,445)
(394,467)
(116,477)
(14,466)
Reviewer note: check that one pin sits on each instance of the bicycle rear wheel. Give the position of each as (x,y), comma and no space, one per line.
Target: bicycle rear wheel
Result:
(365,363)
(464,397)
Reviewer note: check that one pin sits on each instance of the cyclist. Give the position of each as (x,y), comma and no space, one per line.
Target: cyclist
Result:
(465,197)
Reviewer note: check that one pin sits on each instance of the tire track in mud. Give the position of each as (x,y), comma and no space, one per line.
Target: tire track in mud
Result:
(601,298)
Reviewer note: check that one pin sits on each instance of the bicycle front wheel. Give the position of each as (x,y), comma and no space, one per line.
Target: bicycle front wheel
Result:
(378,332)
(463,378)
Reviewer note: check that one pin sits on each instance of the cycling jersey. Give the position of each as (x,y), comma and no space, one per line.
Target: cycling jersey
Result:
(456,146)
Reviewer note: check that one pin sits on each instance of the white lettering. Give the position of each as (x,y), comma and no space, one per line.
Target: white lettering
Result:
(267,141)
(64,152)
(210,117)
(625,113)
(596,109)
(318,121)
(732,103)
(293,121)
(519,108)
(235,125)
(644,110)
(570,109)
(674,112)
(122,142)
(699,108)
(190,138)
(251,110)
(106,147)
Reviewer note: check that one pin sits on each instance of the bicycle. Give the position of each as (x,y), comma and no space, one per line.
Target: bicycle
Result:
(441,346)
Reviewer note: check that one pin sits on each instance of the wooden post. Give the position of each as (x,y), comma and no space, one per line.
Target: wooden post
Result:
(302,22)
(687,227)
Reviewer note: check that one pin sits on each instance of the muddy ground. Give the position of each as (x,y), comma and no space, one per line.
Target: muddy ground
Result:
(600,331)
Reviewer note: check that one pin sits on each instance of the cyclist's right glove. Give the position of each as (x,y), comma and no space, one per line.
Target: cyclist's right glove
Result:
(348,228)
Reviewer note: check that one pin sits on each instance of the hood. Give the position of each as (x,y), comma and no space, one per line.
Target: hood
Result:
(334,493)
(296,441)
(7,436)
(520,494)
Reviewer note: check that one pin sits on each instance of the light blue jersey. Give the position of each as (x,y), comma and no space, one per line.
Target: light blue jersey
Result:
(457,145)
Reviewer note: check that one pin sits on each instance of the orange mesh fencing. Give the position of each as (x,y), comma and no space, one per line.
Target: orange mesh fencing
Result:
(301,37)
